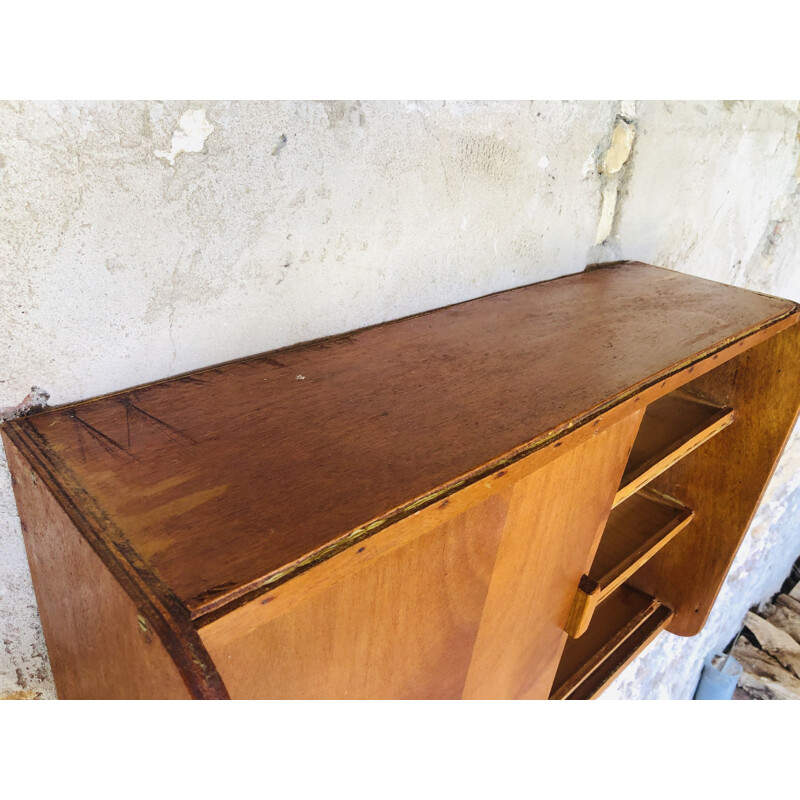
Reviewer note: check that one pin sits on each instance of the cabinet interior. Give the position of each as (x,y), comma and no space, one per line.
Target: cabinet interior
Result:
(611,620)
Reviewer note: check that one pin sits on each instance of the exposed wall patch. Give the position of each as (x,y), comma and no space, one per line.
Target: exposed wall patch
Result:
(190,137)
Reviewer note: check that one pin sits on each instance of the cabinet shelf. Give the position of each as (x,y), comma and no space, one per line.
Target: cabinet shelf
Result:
(672,427)
(619,631)
(636,530)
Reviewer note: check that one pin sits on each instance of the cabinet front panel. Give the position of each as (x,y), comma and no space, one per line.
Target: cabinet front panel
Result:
(404,627)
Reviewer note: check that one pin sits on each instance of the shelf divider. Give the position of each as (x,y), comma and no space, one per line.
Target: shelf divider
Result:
(672,427)
(620,630)
(636,530)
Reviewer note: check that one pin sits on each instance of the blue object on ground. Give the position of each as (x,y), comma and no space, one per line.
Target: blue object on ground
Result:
(716,684)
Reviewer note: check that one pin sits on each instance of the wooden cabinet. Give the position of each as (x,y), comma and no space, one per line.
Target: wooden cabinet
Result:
(505,498)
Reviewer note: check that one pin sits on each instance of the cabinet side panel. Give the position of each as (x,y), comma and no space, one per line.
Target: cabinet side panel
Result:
(724,479)
(554,524)
(100,646)
(402,627)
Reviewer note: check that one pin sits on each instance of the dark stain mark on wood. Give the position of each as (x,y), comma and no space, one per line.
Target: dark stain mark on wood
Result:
(220,588)
(128,423)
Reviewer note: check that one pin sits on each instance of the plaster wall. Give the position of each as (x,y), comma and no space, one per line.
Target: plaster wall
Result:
(145,239)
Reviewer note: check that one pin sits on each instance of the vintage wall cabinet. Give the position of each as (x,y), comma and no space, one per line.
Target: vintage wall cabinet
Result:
(505,498)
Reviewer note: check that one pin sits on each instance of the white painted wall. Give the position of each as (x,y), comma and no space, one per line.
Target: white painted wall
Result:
(141,240)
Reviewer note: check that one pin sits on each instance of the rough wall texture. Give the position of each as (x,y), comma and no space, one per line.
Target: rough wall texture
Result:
(146,239)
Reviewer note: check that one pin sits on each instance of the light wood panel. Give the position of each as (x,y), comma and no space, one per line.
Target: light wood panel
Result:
(403,628)
(723,480)
(100,645)
(550,538)
(635,531)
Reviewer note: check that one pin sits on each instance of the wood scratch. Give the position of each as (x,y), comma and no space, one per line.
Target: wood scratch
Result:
(108,444)
(130,405)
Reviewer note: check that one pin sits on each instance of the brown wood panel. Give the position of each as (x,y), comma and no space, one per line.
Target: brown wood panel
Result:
(101,646)
(276,601)
(553,526)
(163,610)
(235,477)
(723,480)
(403,628)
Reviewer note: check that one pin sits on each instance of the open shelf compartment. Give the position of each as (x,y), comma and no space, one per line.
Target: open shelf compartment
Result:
(671,428)
(622,627)
(636,530)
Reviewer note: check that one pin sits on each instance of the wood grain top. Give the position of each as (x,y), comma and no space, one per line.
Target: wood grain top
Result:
(235,477)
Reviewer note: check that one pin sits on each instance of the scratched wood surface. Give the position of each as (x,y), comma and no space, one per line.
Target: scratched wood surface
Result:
(232,477)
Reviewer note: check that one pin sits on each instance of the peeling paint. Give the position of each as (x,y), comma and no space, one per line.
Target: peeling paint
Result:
(620,147)
(611,164)
(190,137)
(21,695)
(607,210)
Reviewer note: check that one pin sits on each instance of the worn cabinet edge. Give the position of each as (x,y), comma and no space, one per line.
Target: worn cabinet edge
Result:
(162,611)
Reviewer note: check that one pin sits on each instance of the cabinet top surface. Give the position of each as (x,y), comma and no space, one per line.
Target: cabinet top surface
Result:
(220,479)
